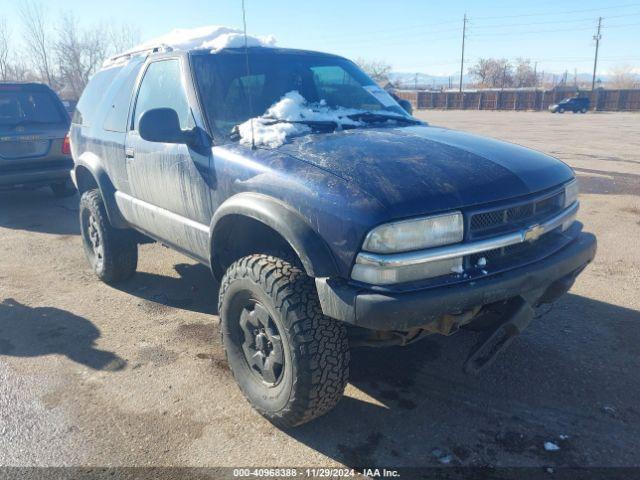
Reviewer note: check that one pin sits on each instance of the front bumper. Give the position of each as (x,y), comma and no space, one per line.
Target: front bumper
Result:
(539,282)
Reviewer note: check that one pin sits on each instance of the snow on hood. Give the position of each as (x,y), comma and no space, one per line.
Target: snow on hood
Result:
(211,37)
(292,107)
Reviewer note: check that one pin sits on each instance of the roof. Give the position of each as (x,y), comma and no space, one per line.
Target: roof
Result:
(120,60)
(30,85)
(277,50)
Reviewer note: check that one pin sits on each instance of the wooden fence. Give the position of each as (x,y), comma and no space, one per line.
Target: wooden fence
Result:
(605,100)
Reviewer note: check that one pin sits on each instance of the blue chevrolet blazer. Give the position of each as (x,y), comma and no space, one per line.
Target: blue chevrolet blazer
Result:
(330,218)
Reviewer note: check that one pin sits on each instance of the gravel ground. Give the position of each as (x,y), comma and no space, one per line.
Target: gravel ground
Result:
(92,375)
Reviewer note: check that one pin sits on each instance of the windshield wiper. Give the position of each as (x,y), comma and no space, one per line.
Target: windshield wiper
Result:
(372,117)
(318,125)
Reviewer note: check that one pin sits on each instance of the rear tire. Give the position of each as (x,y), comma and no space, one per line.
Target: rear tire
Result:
(289,360)
(63,189)
(112,252)
(583,110)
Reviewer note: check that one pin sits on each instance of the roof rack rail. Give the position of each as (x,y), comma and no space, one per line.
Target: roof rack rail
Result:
(127,55)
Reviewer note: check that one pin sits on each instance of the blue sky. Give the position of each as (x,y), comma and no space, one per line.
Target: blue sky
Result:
(412,35)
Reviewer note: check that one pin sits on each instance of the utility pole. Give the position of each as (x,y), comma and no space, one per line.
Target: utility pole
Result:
(504,76)
(597,38)
(535,74)
(464,34)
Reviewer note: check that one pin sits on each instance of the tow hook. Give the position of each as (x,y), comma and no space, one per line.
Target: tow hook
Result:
(516,319)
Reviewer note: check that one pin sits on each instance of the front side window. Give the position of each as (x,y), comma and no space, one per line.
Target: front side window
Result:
(162,87)
(233,92)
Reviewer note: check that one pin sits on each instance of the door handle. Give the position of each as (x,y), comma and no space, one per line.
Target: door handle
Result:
(128,153)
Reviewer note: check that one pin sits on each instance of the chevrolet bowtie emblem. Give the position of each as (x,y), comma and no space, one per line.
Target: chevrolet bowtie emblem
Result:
(533,233)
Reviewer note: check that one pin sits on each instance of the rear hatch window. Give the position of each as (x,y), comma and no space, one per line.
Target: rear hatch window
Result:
(24,108)
(29,119)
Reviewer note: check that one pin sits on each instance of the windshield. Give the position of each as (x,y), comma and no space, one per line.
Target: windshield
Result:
(231,96)
(23,107)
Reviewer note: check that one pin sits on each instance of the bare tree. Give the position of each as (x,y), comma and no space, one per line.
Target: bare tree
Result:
(378,70)
(623,76)
(492,73)
(480,71)
(122,38)
(523,75)
(4,49)
(18,71)
(37,39)
(78,53)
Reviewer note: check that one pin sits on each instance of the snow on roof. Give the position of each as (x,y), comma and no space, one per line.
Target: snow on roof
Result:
(210,37)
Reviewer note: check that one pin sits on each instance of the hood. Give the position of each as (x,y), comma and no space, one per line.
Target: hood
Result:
(423,169)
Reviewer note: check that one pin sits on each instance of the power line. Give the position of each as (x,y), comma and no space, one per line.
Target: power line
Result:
(578,20)
(610,7)
(402,31)
(403,37)
(555,30)
(365,37)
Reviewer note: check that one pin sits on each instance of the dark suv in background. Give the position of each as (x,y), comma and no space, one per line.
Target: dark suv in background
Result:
(363,227)
(573,104)
(34,146)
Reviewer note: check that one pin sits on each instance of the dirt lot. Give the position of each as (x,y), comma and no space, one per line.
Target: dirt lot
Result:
(134,375)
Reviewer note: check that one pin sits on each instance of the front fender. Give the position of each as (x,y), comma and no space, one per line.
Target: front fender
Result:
(93,164)
(311,249)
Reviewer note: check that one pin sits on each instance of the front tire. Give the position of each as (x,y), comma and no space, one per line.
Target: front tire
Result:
(112,252)
(290,361)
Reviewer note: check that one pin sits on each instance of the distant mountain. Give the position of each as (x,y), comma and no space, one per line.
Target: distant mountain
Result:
(407,79)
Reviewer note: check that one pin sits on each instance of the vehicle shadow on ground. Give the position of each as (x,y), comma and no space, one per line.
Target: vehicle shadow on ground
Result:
(39,211)
(36,331)
(415,407)
(194,290)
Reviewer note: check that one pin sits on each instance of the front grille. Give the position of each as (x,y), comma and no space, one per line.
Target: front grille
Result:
(507,219)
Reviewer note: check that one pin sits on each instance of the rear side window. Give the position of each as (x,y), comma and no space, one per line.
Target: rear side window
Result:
(116,118)
(162,87)
(92,96)
(24,107)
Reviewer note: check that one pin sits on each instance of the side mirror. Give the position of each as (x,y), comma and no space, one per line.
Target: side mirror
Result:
(163,125)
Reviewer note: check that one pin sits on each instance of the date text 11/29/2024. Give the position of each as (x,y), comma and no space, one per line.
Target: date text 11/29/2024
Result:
(314,473)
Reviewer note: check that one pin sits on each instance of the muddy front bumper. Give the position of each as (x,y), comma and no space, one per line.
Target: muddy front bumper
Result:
(539,282)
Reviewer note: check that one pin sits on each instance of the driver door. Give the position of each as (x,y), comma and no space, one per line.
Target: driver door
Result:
(169,197)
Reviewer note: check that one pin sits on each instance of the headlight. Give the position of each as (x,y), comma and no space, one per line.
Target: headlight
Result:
(570,197)
(570,193)
(415,234)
